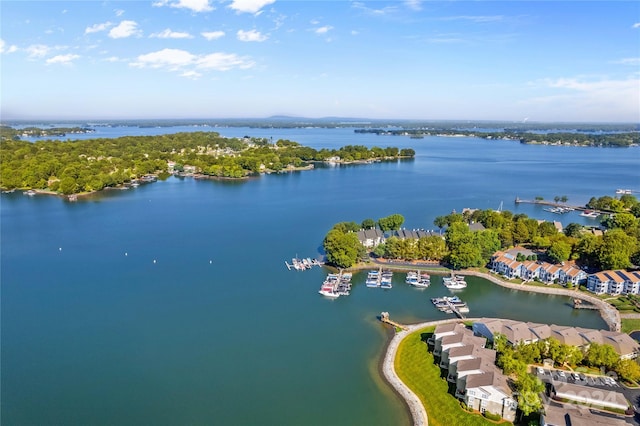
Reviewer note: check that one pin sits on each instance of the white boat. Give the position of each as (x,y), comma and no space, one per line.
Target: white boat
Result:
(329,293)
(454,282)
(590,214)
(330,286)
(373,279)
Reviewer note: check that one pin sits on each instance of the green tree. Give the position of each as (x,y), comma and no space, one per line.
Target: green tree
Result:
(573,230)
(440,222)
(342,249)
(559,251)
(616,249)
(368,224)
(528,389)
(601,356)
(628,370)
(391,223)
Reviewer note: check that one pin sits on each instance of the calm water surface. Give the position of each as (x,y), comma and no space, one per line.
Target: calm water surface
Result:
(217,330)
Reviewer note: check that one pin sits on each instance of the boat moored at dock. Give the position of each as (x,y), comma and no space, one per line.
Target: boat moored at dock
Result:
(454,282)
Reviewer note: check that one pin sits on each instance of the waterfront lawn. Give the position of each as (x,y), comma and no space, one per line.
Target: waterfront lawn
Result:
(630,324)
(414,365)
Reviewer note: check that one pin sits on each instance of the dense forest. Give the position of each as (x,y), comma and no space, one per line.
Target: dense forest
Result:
(70,167)
(621,139)
(461,247)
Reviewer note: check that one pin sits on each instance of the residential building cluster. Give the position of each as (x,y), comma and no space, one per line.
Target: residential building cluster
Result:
(614,282)
(518,332)
(371,238)
(479,383)
(507,265)
(461,353)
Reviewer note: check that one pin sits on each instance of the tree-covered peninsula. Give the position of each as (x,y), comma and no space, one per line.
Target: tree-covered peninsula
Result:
(470,239)
(70,167)
(614,139)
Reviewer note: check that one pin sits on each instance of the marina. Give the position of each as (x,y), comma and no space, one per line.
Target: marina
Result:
(380,279)
(336,285)
(302,264)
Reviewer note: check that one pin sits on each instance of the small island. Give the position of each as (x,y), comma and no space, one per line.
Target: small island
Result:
(84,166)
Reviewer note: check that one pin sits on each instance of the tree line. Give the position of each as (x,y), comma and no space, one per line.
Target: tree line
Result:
(69,167)
(616,139)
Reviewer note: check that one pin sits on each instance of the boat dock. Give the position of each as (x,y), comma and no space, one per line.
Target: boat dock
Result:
(577,304)
(451,305)
(384,317)
(555,207)
(302,264)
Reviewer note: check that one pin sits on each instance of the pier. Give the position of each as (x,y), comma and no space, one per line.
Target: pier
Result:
(518,200)
(577,304)
(384,317)
(302,264)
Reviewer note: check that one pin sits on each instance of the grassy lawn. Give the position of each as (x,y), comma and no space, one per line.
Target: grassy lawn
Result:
(629,324)
(414,365)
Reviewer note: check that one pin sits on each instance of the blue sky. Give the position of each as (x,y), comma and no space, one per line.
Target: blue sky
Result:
(459,60)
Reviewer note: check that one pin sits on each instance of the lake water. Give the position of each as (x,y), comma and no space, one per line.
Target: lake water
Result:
(171,303)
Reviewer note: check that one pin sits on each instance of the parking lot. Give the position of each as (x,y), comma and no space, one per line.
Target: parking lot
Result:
(599,382)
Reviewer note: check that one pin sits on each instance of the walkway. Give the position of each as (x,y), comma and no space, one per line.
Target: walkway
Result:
(609,313)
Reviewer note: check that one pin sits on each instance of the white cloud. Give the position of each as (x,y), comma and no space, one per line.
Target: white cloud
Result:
(474,18)
(37,51)
(193,5)
(599,99)
(188,63)
(323,30)
(251,35)
(212,35)
(10,49)
(97,27)
(223,62)
(249,6)
(628,61)
(636,25)
(112,59)
(194,75)
(125,29)
(166,58)
(118,12)
(62,59)
(413,4)
(171,34)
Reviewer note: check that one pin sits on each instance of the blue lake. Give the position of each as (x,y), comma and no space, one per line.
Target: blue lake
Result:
(217,330)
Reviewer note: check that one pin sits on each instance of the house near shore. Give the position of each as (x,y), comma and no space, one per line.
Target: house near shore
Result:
(518,332)
(478,382)
(371,238)
(614,282)
(507,265)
